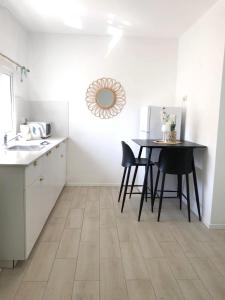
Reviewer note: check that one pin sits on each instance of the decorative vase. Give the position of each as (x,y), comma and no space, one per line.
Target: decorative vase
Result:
(165,130)
(172,136)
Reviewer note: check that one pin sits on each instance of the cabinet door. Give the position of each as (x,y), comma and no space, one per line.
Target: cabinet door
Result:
(48,174)
(35,213)
(62,166)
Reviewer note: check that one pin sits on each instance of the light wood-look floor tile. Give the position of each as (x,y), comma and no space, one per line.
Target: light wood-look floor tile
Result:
(109,243)
(79,198)
(107,218)
(41,264)
(112,282)
(194,290)
(10,281)
(163,281)
(133,261)
(160,232)
(181,267)
(211,278)
(126,230)
(75,218)
(90,230)
(61,209)
(86,290)
(69,245)
(88,261)
(31,290)
(60,284)
(149,245)
(106,200)
(140,290)
(52,232)
(171,249)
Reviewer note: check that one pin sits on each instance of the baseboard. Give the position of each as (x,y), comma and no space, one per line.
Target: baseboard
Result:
(92,184)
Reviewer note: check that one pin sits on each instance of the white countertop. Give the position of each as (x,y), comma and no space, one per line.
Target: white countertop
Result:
(24,158)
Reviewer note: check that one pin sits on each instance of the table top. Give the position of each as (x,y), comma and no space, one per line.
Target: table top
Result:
(150,144)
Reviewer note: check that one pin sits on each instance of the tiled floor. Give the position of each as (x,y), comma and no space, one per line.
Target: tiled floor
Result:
(88,250)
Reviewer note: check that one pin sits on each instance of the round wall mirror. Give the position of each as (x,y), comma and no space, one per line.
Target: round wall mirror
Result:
(105,98)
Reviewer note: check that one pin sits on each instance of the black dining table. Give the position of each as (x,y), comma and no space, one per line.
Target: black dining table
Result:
(152,144)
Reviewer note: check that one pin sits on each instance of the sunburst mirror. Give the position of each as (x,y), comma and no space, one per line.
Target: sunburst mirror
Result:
(105,98)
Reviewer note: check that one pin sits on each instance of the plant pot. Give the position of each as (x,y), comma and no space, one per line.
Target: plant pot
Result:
(172,136)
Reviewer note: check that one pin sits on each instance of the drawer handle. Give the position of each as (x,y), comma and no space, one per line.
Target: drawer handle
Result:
(41,179)
(35,163)
(61,155)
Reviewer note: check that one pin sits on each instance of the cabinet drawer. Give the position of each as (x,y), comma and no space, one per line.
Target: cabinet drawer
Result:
(33,172)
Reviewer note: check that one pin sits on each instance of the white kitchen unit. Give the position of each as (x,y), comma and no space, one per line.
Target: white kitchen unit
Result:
(29,188)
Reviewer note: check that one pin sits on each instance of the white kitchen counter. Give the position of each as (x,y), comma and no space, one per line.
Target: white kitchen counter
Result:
(24,158)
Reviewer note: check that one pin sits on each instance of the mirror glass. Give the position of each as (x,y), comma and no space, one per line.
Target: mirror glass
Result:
(105,98)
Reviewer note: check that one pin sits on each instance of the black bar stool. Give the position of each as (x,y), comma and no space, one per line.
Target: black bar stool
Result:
(129,161)
(178,162)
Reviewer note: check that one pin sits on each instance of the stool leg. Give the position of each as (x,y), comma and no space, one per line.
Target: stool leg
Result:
(151,182)
(155,191)
(161,195)
(126,186)
(146,191)
(122,183)
(179,177)
(133,180)
(143,193)
(188,198)
(146,194)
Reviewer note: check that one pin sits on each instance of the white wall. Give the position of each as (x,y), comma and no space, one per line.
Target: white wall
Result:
(218,205)
(200,65)
(13,43)
(63,66)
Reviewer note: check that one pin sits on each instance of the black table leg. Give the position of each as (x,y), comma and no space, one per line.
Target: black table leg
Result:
(135,173)
(196,189)
(179,190)
(145,184)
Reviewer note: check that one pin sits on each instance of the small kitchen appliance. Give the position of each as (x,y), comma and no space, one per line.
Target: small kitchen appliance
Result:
(40,130)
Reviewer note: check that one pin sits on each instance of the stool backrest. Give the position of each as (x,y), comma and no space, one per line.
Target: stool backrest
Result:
(128,159)
(176,160)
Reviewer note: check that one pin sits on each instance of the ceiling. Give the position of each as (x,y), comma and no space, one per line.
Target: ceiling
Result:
(151,18)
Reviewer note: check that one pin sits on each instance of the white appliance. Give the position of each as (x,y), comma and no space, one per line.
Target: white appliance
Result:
(40,130)
(150,128)
(150,123)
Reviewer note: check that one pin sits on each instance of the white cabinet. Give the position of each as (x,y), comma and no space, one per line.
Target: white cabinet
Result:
(27,196)
(35,213)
